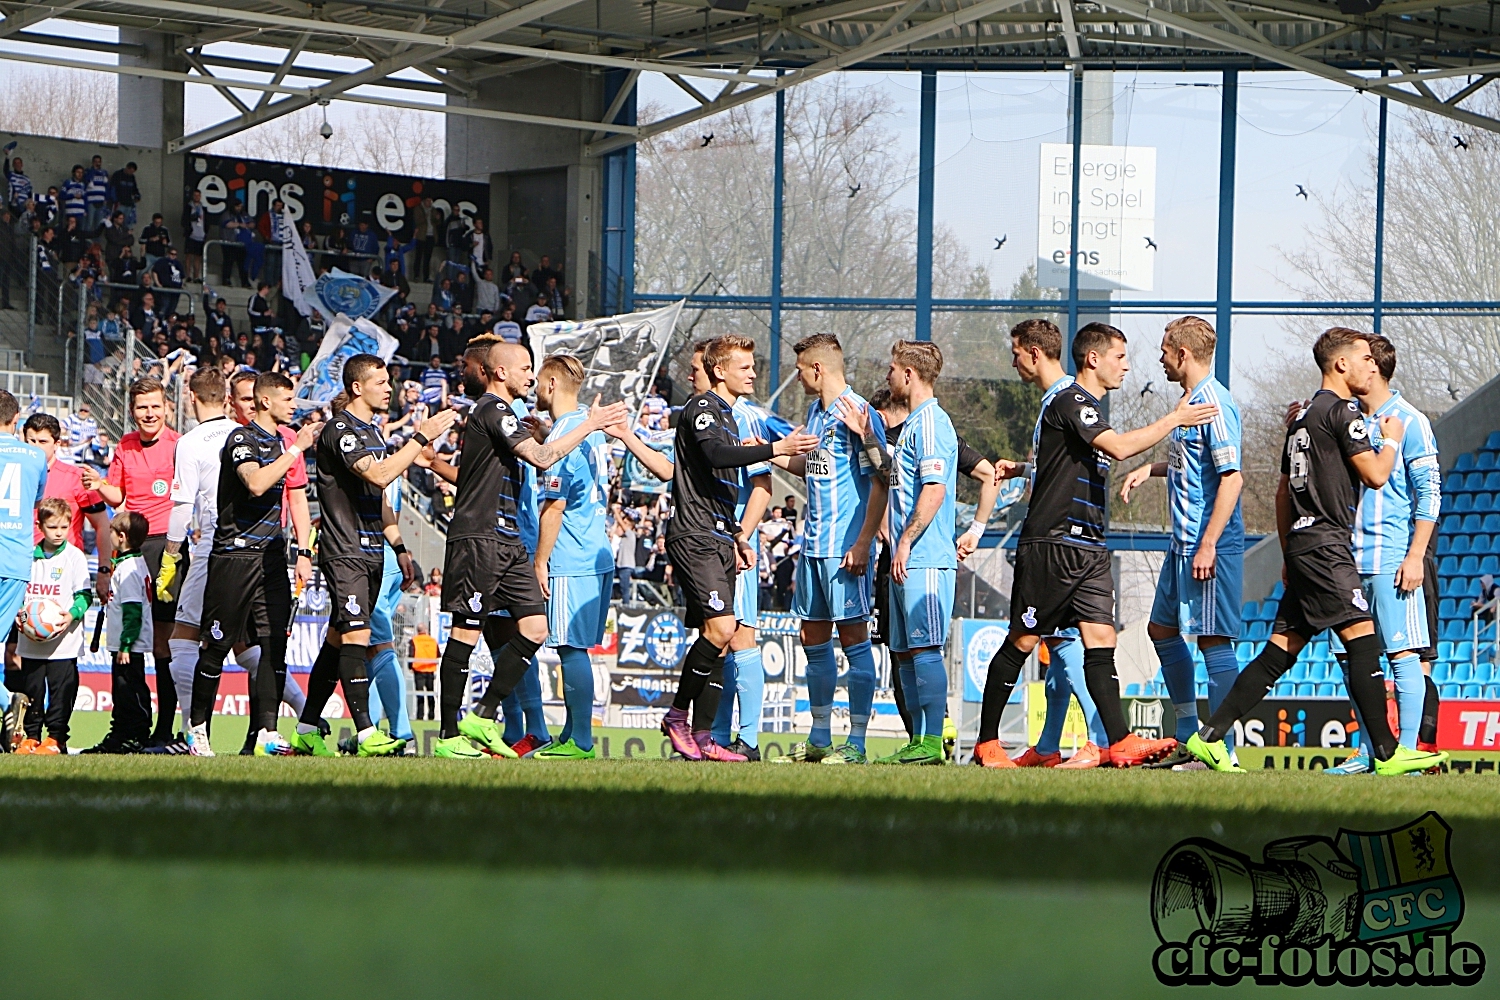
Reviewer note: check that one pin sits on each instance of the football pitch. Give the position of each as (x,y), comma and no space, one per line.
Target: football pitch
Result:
(138,876)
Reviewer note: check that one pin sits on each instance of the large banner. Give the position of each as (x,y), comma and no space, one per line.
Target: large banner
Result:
(620,354)
(329,197)
(345,338)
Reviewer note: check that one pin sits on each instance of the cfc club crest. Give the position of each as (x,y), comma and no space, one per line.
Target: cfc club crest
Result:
(1377,909)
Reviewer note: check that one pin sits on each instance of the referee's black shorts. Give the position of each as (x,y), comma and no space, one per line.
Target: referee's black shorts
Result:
(353,588)
(1058,585)
(705,568)
(1323,590)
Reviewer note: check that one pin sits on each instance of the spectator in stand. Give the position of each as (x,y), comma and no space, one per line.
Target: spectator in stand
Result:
(194,235)
(95,194)
(481,248)
(544,270)
(393,278)
(99,454)
(514,270)
(126,192)
(169,274)
(463,292)
(75,196)
(434,388)
(20,191)
(538,313)
(148,322)
(424,225)
(231,225)
(117,236)
(393,250)
(337,245)
(218,324)
(552,298)
(123,268)
(486,292)
(48,274)
(1488,591)
(625,557)
(364,242)
(12,258)
(789,510)
(442,297)
(434,587)
(506,328)
(456,244)
(79,431)
(430,347)
(71,242)
(155,239)
(784,576)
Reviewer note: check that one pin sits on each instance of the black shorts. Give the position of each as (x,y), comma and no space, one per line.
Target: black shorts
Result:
(247,597)
(1430,596)
(1323,590)
(481,575)
(880,611)
(705,568)
(193,248)
(152,549)
(1058,585)
(353,588)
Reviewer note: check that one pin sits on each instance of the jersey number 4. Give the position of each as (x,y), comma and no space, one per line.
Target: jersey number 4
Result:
(10,489)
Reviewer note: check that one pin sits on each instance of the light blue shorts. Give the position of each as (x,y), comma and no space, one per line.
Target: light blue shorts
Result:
(826,592)
(381,627)
(1200,607)
(12,597)
(1400,619)
(577,609)
(921,609)
(747,597)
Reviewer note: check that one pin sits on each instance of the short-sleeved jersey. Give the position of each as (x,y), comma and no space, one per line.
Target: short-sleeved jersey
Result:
(130,583)
(1387,516)
(489,473)
(926,453)
(144,471)
(1069,476)
(23,482)
(703,497)
(838,476)
(248,523)
(1197,458)
(352,523)
(526,508)
(65,482)
(58,577)
(751,426)
(196,470)
(1327,433)
(581,481)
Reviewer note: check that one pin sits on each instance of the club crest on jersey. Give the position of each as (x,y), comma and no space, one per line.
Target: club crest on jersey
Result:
(508,423)
(1359,600)
(1029,618)
(348,442)
(476,603)
(352,605)
(715,601)
(703,420)
(1088,416)
(242,453)
(1358,430)
(215,631)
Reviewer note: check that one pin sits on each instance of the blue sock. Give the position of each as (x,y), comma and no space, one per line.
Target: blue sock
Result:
(1071,655)
(932,689)
(1223,669)
(909,691)
(1411,689)
(530,690)
(861,684)
(515,718)
(1177,671)
(1059,697)
(578,694)
(822,679)
(750,688)
(724,717)
(388,693)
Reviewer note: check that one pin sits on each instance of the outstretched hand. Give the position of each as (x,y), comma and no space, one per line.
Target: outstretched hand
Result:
(1190,414)
(601,417)
(798,442)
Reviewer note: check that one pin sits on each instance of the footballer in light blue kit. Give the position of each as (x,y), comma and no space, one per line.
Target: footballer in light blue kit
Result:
(23,479)
(1201,583)
(835,576)
(924,560)
(573,554)
(1392,528)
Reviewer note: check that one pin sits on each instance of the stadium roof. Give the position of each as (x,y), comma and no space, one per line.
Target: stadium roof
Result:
(721,52)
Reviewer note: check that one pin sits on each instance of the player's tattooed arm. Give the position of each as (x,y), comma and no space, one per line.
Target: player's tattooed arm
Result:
(1138,477)
(544,456)
(929,502)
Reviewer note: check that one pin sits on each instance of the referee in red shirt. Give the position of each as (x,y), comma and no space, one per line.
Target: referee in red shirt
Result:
(140,480)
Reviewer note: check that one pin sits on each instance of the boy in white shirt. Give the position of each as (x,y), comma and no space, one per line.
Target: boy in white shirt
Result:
(128,627)
(49,670)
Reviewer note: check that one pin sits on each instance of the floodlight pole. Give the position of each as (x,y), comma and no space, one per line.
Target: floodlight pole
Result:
(778,187)
(1073,227)
(1224,317)
(1380,219)
(926,158)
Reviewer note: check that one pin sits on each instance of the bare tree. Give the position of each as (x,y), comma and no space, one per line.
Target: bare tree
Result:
(68,103)
(389,140)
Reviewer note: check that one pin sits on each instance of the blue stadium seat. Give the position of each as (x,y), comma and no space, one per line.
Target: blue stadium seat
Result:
(1468,565)
(1200,671)
(1484,672)
(1493,442)
(1454,630)
(1491,481)
(1306,690)
(1485,461)
(1447,586)
(1284,689)
(1440,671)
(1491,524)
(1249,611)
(1450,523)
(1462,672)
(1317,672)
(1447,608)
(1472,692)
(1277,591)
(1484,501)
(1465,462)
(1260,631)
(1268,611)
(1451,692)
(1131,690)
(1492,692)
(1480,544)
(1473,524)
(1298,673)
(1463,545)
(1453,484)
(1474,481)
(1463,652)
(1327,690)
(1448,565)
(1463,503)
(1445,545)
(1489,564)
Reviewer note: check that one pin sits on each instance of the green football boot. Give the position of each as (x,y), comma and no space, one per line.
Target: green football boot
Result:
(564,751)
(311,745)
(895,758)
(847,753)
(1215,755)
(486,733)
(950,737)
(456,748)
(380,744)
(805,753)
(1408,761)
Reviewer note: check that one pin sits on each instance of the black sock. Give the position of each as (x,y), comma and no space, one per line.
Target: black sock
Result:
(455,670)
(356,684)
(166,699)
(900,696)
(706,705)
(511,664)
(1366,683)
(1104,687)
(206,683)
(320,684)
(270,680)
(1249,690)
(697,666)
(1428,731)
(1005,670)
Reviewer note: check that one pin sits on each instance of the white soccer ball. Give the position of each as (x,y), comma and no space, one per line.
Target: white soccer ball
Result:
(43,619)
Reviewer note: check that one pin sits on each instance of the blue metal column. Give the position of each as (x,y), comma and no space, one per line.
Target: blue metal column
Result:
(1380,220)
(926,157)
(1073,226)
(617,212)
(778,188)
(1229,107)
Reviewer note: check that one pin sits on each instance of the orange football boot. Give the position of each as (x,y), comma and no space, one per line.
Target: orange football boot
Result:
(47,748)
(991,754)
(26,746)
(1133,750)
(1031,758)
(1083,758)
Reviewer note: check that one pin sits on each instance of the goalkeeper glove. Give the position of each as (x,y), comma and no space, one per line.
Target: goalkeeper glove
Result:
(167,575)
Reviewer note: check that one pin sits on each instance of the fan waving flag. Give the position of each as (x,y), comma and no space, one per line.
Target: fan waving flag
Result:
(297,275)
(345,338)
(620,354)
